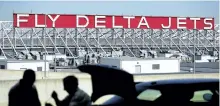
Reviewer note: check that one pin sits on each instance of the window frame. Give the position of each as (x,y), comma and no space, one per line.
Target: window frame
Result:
(140,95)
(153,67)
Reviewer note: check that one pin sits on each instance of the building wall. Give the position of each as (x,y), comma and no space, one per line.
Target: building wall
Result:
(110,62)
(51,57)
(3,63)
(27,65)
(165,66)
(212,65)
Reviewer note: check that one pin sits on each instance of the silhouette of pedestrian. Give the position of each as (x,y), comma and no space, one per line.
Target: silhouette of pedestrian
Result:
(24,93)
(76,96)
(88,59)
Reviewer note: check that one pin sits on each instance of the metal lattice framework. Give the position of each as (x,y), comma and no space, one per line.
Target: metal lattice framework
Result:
(63,40)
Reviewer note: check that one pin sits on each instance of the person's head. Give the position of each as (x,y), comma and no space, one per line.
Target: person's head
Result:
(28,78)
(70,84)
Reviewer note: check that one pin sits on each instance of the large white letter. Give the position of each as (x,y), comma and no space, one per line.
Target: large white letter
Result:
(113,23)
(53,20)
(36,22)
(208,23)
(129,20)
(179,23)
(169,25)
(145,22)
(98,21)
(195,19)
(21,20)
(77,21)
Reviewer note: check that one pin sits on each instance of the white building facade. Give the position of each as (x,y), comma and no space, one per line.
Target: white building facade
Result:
(137,65)
(36,65)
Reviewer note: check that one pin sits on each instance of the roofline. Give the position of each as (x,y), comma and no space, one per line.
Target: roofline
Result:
(139,59)
(183,81)
(21,61)
(112,15)
(136,74)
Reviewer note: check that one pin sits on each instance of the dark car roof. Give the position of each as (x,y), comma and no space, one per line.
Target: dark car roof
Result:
(179,81)
(142,85)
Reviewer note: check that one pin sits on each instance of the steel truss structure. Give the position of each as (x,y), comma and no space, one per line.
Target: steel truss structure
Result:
(64,40)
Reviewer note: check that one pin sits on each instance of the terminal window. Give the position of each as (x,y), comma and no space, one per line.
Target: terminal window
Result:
(114,66)
(2,67)
(156,66)
(39,68)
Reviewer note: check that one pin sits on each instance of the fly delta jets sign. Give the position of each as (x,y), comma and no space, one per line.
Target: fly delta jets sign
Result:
(108,21)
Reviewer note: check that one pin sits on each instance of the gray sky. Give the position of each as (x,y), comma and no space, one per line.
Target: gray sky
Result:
(153,8)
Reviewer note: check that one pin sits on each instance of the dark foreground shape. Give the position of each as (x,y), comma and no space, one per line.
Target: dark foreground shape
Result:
(24,93)
(107,80)
(176,92)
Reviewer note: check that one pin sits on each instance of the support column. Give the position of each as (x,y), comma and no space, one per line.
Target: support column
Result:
(55,40)
(77,40)
(97,38)
(32,40)
(3,36)
(143,38)
(66,41)
(161,37)
(113,42)
(170,36)
(132,44)
(87,38)
(215,44)
(14,37)
(151,35)
(194,51)
(43,39)
(123,37)
(179,37)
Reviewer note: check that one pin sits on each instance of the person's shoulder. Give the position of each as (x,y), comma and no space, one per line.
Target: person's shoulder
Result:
(14,88)
(80,91)
(81,97)
(82,94)
(34,88)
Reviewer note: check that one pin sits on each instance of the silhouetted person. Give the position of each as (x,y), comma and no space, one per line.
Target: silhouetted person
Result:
(98,59)
(93,55)
(76,96)
(85,59)
(24,93)
(88,59)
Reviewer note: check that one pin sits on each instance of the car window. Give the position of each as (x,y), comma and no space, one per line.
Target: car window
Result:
(105,98)
(149,95)
(198,95)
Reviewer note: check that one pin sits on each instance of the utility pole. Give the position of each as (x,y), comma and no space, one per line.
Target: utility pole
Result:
(45,69)
(55,58)
(194,52)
